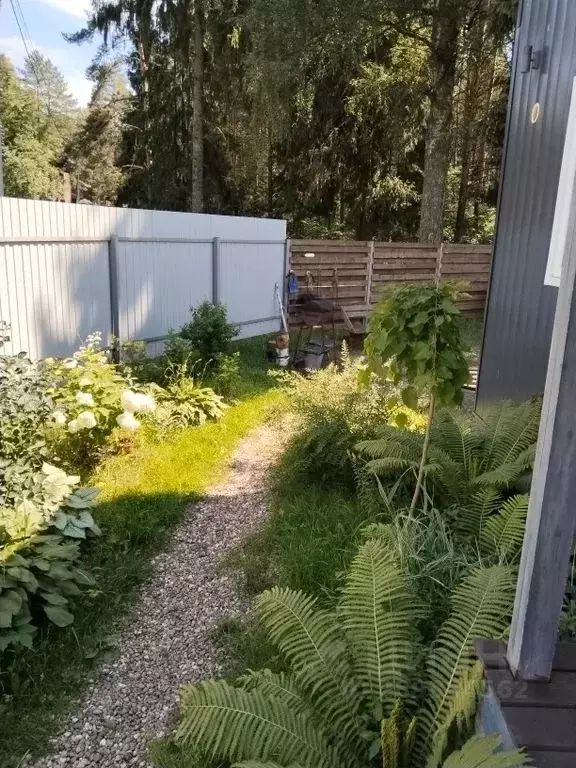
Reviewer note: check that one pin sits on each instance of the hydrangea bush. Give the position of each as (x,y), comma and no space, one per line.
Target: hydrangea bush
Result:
(92,398)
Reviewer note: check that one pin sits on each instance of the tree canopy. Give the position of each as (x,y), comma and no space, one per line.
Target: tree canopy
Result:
(360,118)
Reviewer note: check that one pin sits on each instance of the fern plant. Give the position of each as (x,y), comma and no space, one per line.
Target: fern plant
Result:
(361,691)
(474,463)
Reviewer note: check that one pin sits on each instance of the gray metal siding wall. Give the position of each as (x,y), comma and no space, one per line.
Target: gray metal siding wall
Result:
(520,312)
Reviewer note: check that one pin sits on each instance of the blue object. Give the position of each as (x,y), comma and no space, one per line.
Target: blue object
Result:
(292,284)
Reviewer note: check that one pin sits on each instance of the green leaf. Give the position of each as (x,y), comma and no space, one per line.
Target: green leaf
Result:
(60,520)
(401,420)
(5,618)
(10,601)
(58,615)
(410,397)
(74,531)
(54,598)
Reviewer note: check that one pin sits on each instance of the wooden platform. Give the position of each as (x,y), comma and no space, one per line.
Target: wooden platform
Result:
(538,716)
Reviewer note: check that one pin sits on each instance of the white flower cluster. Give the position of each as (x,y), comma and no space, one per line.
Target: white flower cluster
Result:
(84,420)
(134,402)
(85,398)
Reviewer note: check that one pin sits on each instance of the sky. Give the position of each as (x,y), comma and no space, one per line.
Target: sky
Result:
(45,21)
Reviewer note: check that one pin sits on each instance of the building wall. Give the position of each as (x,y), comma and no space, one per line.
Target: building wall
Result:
(520,313)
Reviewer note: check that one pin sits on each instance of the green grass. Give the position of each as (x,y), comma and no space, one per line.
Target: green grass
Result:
(143,495)
(253,364)
(307,544)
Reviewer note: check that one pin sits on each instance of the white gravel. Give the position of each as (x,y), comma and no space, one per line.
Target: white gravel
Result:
(167,641)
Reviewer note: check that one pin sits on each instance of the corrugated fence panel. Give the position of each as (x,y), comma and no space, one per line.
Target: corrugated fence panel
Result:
(248,273)
(158,283)
(53,295)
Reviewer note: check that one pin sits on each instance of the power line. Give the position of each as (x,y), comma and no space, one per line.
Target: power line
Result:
(21,24)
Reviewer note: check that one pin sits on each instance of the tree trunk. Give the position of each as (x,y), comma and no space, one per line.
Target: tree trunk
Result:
(197,154)
(145,108)
(437,146)
(479,82)
(270,176)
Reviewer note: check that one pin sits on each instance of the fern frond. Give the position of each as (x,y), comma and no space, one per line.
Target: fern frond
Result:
(507,474)
(391,465)
(378,613)
(454,433)
(397,737)
(511,430)
(481,607)
(391,441)
(259,764)
(473,516)
(504,532)
(482,752)
(312,641)
(235,724)
(463,706)
(279,685)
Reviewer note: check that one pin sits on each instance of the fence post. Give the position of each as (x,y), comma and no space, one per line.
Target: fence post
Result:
(114,304)
(287,267)
(215,270)
(369,273)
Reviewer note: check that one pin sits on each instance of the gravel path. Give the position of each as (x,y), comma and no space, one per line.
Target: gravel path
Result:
(132,699)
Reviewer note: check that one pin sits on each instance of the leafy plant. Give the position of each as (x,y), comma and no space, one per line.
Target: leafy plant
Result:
(39,552)
(415,337)
(336,410)
(209,332)
(361,690)
(183,403)
(137,363)
(92,398)
(226,379)
(475,461)
(25,410)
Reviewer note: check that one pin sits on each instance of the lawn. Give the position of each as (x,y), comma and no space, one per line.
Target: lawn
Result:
(143,495)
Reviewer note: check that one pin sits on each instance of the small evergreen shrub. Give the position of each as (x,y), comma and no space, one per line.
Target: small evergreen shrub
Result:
(209,332)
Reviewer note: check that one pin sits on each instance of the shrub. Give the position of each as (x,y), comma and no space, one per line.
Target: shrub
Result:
(337,409)
(475,462)
(416,337)
(179,351)
(226,379)
(39,552)
(137,363)
(360,690)
(25,411)
(183,403)
(93,398)
(209,332)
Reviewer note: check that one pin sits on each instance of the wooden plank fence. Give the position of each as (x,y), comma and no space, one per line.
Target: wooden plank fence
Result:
(356,272)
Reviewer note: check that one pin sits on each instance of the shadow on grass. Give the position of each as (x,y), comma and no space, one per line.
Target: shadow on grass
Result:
(38,686)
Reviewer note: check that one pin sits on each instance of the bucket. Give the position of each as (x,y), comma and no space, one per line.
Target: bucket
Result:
(282,357)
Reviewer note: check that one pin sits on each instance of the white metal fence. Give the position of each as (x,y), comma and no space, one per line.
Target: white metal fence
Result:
(68,270)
